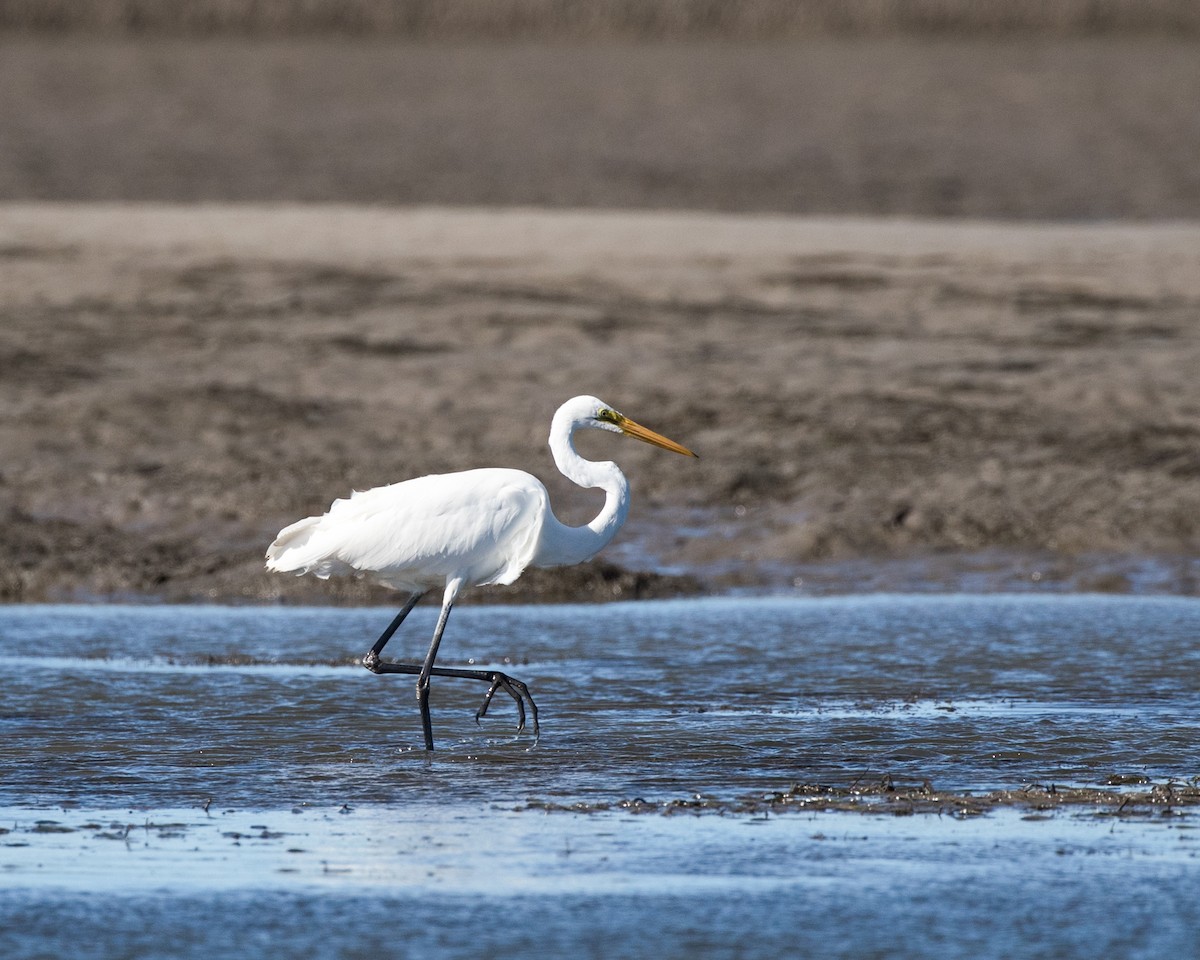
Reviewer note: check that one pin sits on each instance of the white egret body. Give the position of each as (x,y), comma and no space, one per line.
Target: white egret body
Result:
(461,530)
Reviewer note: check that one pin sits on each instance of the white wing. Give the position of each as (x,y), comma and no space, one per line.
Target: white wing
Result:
(480,525)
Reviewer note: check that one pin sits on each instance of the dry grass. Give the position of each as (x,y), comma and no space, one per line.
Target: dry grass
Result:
(669,19)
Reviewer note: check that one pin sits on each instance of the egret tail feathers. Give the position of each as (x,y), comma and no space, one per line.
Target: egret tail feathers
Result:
(288,554)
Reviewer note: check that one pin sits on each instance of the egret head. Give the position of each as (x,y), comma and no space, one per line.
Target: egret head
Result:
(591,412)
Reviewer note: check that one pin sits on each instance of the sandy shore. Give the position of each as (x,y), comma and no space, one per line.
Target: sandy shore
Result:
(180,382)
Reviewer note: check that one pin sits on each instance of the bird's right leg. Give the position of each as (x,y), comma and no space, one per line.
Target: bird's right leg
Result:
(371,659)
(448,599)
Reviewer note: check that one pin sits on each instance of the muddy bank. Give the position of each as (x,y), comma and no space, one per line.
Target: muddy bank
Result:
(181,382)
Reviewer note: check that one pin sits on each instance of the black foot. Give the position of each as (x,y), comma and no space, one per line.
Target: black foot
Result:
(520,694)
(494,678)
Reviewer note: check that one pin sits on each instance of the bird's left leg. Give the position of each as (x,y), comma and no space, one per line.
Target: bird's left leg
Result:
(423,672)
(371,659)
(497,680)
(515,689)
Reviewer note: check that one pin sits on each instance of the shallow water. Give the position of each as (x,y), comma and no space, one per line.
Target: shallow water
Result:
(168,706)
(475,881)
(161,767)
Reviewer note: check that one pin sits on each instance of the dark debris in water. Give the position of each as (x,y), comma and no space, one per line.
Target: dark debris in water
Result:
(124,831)
(886,796)
(51,826)
(259,833)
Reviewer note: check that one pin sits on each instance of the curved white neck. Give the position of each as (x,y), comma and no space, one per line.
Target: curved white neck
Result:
(562,545)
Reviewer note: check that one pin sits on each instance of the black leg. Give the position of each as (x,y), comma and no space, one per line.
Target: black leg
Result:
(496,680)
(371,660)
(426,672)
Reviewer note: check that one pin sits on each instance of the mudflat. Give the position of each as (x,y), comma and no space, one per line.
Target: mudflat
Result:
(181,381)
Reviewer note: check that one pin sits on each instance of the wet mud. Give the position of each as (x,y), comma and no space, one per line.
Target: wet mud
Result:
(992,405)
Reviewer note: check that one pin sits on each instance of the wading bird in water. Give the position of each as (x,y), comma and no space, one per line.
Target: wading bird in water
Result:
(465,529)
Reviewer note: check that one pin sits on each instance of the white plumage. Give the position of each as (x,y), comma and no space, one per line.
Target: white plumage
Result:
(464,529)
(480,525)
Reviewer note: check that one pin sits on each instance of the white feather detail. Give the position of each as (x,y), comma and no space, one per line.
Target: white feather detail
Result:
(480,525)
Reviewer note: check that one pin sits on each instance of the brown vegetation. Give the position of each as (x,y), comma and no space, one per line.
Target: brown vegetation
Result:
(1127,797)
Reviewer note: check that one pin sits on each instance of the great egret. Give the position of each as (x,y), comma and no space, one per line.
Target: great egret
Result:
(465,529)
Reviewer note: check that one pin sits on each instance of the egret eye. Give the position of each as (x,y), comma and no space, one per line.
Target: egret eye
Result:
(608,415)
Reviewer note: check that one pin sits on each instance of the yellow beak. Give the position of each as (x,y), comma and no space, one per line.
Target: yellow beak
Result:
(634,429)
